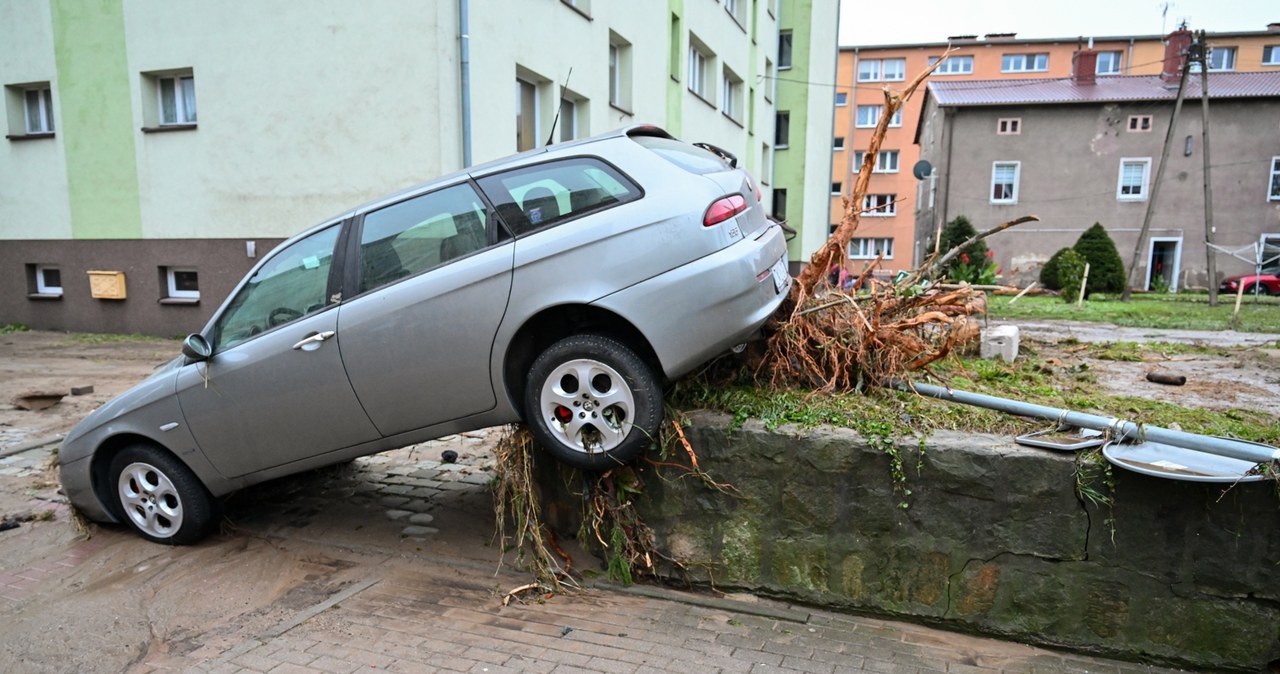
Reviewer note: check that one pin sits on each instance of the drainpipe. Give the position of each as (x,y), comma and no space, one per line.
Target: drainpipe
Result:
(1128,59)
(464,62)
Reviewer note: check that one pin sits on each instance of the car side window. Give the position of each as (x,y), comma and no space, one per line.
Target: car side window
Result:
(420,233)
(543,195)
(289,286)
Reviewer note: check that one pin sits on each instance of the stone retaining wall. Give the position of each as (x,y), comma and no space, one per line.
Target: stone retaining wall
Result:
(993,539)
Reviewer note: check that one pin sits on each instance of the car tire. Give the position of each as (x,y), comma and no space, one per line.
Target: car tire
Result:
(602,422)
(160,497)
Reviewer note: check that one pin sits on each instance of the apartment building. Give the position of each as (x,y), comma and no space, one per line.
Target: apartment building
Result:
(155,151)
(895,195)
(1087,149)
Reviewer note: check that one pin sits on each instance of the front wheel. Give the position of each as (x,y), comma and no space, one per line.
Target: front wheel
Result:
(160,497)
(592,402)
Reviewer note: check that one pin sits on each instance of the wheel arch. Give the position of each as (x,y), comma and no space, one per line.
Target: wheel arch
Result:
(555,323)
(100,469)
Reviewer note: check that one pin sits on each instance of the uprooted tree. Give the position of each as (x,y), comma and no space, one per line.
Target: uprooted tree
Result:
(821,338)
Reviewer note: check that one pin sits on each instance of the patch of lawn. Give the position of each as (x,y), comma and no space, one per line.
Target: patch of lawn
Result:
(1186,312)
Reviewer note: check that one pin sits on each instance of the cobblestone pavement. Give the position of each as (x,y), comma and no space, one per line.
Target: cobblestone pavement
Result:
(388,564)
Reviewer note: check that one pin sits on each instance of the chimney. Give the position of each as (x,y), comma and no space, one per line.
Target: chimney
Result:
(1274,27)
(1084,67)
(1175,53)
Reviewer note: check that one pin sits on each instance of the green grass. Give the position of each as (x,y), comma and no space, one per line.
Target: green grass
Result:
(102,338)
(894,413)
(1187,312)
(8,328)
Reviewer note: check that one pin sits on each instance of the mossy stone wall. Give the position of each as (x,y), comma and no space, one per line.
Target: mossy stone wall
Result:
(993,538)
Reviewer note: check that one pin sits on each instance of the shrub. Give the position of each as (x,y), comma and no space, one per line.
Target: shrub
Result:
(1051,274)
(955,233)
(1106,269)
(1070,273)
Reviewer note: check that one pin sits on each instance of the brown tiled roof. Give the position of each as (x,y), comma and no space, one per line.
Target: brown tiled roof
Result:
(1108,89)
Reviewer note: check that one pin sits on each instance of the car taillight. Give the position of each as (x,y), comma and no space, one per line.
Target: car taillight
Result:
(723,209)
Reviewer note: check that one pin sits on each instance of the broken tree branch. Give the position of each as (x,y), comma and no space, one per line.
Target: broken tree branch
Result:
(931,268)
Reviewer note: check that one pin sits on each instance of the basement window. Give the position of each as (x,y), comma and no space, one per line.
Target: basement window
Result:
(181,285)
(44,282)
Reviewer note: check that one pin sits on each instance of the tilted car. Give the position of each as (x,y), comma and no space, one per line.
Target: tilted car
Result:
(563,286)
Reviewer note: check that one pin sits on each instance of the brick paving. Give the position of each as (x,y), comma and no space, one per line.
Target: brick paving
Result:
(409,612)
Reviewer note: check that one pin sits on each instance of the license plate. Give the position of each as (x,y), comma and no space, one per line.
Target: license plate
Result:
(781,278)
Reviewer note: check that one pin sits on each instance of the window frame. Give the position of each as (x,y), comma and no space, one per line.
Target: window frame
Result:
(879,205)
(731,102)
(1009,126)
(1115,56)
(620,73)
(837,144)
(963,65)
(858,122)
(899,76)
(781,124)
(1014,185)
(842,99)
(171,284)
(1228,59)
(869,70)
(43,94)
(1136,124)
(837,188)
(882,160)
(1146,179)
(1030,62)
(1273,186)
(1270,55)
(786,44)
(701,64)
(182,116)
(48,290)
(867,247)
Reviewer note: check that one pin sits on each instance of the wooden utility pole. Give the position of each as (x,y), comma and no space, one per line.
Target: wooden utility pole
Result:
(1200,51)
(1155,187)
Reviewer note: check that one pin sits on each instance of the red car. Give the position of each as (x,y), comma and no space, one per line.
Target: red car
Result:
(1265,284)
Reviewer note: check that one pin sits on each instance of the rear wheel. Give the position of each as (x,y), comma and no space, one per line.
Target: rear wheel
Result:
(592,402)
(160,497)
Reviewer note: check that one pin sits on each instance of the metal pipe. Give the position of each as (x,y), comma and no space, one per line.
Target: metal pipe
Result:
(464,63)
(1126,429)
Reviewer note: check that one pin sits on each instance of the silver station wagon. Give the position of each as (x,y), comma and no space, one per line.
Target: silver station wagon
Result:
(564,287)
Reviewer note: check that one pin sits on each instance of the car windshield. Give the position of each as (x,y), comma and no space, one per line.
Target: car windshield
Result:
(690,158)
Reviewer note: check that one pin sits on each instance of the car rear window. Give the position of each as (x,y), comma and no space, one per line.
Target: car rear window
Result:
(684,155)
(544,195)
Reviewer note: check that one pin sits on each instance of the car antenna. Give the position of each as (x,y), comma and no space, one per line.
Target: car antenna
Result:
(556,120)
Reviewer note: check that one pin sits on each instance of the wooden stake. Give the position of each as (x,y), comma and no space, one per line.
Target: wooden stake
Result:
(1024,292)
(1084,282)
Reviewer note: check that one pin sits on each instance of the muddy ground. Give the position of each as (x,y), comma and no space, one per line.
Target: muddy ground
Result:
(291,543)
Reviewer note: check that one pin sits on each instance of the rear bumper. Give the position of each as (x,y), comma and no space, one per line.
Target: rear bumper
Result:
(696,311)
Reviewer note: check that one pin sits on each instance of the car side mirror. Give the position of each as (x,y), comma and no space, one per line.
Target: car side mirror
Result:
(196,347)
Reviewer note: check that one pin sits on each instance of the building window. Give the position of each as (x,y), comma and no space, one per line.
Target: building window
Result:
(573,123)
(836,189)
(1222,59)
(895,70)
(1132,185)
(880,205)
(782,129)
(766,164)
(1004,182)
(176,96)
(1274,194)
(886,161)
(896,120)
(1109,62)
(700,59)
(619,72)
(673,66)
(955,65)
(738,10)
(582,6)
(37,103)
(526,115)
(181,283)
(1271,55)
(784,49)
(870,248)
(780,204)
(868,115)
(1009,126)
(1024,63)
(769,81)
(1139,123)
(48,280)
(732,105)
(838,144)
(842,99)
(869,70)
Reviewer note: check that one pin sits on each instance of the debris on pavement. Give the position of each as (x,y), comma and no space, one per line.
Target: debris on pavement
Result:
(1166,377)
(37,400)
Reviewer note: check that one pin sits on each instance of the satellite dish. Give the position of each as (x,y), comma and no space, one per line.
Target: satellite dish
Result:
(922,170)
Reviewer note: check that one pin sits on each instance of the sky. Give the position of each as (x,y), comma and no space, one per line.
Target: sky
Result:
(879,22)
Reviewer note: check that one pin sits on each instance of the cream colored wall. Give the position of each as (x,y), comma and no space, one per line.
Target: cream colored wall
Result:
(820,132)
(305,109)
(33,190)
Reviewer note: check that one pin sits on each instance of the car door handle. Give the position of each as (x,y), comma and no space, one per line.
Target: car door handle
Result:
(314,339)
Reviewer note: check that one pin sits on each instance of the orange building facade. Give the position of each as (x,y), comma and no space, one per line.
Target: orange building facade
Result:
(894,194)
